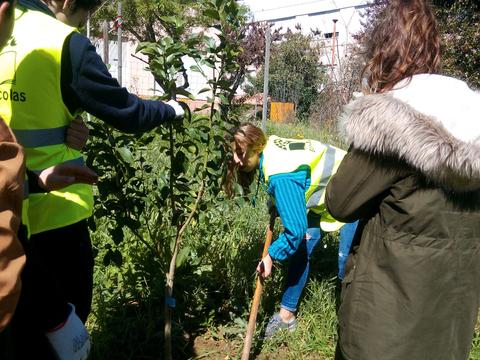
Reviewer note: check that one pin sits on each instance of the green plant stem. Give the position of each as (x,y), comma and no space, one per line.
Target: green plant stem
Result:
(178,241)
(172,159)
(171,274)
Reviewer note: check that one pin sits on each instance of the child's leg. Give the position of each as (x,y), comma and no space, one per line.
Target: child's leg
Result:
(298,270)
(347,232)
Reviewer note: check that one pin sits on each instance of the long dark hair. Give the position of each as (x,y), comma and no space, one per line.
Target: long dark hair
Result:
(247,137)
(405,42)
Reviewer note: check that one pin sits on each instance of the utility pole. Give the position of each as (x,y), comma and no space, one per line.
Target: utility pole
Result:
(266,69)
(89,117)
(105,42)
(88,25)
(334,40)
(119,32)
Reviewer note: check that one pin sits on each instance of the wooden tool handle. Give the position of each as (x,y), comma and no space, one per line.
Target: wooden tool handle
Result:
(252,320)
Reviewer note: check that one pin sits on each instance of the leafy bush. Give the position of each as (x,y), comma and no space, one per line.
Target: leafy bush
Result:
(295,74)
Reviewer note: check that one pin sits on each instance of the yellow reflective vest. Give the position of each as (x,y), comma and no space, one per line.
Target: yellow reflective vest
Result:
(31,104)
(321,161)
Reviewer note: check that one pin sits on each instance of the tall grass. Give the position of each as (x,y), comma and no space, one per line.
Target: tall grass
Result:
(315,336)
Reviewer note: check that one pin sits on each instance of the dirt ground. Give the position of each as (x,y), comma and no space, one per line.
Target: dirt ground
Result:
(206,347)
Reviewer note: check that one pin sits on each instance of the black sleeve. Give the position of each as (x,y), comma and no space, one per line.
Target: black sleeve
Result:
(87,85)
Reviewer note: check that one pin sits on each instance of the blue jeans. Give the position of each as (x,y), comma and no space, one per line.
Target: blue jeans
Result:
(347,232)
(299,265)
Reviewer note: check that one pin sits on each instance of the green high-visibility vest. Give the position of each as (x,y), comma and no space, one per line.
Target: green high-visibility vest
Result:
(321,161)
(31,104)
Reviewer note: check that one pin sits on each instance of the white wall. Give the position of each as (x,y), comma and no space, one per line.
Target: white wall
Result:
(138,80)
(134,76)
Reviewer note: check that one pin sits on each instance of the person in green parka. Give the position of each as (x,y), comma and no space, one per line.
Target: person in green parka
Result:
(412,177)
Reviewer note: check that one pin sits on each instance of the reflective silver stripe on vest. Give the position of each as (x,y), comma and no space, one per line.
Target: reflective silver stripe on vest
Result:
(40,137)
(328,167)
(77,161)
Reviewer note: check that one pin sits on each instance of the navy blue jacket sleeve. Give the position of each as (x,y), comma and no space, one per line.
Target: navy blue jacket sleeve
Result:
(87,85)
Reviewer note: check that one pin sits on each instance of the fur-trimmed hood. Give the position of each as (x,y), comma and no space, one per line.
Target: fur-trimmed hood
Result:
(431,122)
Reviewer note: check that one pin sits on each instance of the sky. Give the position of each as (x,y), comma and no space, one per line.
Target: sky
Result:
(256,5)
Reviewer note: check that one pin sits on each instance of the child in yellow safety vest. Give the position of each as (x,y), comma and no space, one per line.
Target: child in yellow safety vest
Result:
(296,173)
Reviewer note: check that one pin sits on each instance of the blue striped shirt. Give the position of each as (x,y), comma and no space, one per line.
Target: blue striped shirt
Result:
(288,191)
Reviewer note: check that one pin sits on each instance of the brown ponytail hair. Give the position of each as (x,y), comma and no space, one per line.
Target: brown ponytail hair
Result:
(405,42)
(247,137)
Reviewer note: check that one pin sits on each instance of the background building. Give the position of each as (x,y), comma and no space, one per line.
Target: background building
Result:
(332,22)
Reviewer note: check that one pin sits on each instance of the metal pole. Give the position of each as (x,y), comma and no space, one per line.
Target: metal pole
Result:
(105,42)
(334,39)
(266,69)
(88,25)
(89,117)
(119,29)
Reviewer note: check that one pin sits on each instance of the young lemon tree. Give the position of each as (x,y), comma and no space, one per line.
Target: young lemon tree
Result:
(159,199)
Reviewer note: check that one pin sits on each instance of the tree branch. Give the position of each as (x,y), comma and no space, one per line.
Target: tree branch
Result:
(139,58)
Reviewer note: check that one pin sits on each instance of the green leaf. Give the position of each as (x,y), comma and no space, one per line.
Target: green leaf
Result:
(148,48)
(203,269)
(126,154)
(170,58)
(205,89)
(182,256)
(211,43)
(182,187)
(212,13)
(203,107)
(223,99)
(182,91)
(117,235)
(224,84)
(196,68)
(193,149)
